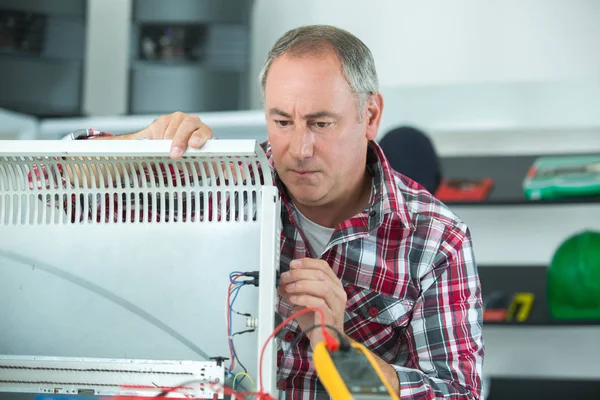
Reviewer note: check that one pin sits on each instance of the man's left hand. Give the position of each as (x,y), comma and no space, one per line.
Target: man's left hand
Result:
(312,283)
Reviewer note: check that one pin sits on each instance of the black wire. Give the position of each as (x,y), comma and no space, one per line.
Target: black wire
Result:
(238,361)
(242,332)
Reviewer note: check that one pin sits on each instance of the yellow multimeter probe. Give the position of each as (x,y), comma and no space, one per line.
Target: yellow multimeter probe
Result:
(351,374)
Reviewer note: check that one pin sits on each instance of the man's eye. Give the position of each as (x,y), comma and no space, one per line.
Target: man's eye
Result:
(282,123)
(322,125)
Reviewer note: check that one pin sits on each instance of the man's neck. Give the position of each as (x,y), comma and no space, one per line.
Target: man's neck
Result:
(349,204)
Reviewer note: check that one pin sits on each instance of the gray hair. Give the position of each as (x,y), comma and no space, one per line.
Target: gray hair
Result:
(357,61)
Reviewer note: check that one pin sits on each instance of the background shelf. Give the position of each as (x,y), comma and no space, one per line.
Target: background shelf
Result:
(507,172)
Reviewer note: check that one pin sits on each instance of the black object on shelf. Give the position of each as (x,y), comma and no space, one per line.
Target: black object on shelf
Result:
(507,173)
(509,280)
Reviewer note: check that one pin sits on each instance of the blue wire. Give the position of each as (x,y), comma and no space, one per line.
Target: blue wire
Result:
(235,273)
(237,291)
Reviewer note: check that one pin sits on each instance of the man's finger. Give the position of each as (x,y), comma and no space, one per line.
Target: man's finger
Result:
(295,275)
(319,289)
(157,128)
(174,122)
(199,136)
(313,264)
(185,130)
(333,293)
(308,301)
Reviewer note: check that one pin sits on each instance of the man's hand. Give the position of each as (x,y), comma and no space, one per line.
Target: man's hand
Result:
(312,283)
(184,129)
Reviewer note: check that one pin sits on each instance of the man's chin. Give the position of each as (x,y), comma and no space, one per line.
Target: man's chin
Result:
(308,196)
(305,191)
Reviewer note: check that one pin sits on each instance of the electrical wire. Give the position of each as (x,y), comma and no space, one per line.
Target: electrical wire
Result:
(242,332)
(243,375)
(329,341)
(261,395)
(235,286)
(238,361)
(229,322)
(234,275)
(214,385)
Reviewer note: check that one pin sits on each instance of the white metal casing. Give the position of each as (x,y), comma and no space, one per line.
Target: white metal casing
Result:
(90,271)
(107,377)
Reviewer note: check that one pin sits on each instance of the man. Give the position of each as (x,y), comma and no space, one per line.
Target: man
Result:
(389,265)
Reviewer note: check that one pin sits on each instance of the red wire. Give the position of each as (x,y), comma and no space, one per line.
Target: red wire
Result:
(279,327)
(217,386)
(261,395)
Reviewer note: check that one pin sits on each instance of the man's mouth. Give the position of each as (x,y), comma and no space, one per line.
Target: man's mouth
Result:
(302,172)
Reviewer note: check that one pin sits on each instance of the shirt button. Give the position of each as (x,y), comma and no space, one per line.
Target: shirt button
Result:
(289,336)
(282,384)
(373,311)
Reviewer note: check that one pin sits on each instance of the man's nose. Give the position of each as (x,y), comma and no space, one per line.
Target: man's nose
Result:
(302,144)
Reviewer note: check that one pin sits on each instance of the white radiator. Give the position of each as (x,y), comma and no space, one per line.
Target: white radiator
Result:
(119,252)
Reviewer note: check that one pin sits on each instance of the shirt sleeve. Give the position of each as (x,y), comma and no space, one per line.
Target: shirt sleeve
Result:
(34,176)
(444,339)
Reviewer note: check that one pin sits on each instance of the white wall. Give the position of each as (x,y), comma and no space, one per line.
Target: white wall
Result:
(438,42)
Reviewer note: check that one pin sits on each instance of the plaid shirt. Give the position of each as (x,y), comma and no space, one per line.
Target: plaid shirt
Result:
(414,298)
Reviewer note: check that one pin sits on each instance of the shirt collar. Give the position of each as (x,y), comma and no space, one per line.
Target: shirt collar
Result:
(386,197)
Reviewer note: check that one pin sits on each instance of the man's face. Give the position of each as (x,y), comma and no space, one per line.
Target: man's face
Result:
(318,145)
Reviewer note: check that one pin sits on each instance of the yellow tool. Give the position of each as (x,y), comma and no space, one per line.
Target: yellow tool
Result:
(521,306)
(351,374)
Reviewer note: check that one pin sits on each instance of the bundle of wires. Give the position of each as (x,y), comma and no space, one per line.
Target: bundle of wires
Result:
(330,341)
(235,284)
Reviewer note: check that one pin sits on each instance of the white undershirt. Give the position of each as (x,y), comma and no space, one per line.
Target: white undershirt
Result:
(317,235)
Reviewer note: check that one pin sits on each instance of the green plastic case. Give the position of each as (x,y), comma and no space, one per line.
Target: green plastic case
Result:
(558,177)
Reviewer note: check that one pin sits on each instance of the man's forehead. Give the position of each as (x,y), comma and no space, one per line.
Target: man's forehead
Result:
(275,111)
(306,87)
(307,69)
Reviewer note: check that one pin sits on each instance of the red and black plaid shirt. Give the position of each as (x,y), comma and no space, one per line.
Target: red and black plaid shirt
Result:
(414,298)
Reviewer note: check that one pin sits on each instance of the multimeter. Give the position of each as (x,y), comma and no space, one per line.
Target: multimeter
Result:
(351,374)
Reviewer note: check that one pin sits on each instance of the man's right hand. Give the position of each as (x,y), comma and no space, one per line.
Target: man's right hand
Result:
(184,130)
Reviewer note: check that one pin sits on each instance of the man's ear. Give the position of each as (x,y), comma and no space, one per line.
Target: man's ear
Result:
(373,112)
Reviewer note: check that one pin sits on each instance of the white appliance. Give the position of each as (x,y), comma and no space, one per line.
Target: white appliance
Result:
(119,253)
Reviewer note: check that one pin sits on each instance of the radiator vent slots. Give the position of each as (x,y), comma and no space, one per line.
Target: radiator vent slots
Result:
(65,190)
